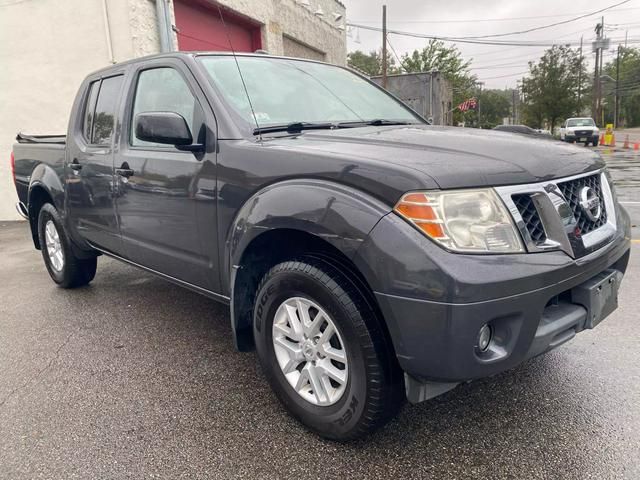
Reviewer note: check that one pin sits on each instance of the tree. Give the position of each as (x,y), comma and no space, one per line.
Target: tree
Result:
(436,56)
(371,63)
(551,89)
(628,88)
(496,104)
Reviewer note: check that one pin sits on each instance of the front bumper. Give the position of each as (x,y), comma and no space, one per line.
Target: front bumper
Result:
(437,302)
(571,137)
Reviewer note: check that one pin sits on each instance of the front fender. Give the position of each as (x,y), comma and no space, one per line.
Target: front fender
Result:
(340,215)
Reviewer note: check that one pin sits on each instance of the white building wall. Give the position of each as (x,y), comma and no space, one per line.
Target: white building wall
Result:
(47,47)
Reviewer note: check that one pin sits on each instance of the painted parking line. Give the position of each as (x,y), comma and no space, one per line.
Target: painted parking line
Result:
(635,240)
(630,203)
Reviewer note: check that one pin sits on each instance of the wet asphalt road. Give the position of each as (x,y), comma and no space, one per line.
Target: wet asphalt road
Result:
(134,377)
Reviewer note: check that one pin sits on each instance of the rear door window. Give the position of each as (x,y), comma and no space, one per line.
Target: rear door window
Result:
(89,110)
(106,105)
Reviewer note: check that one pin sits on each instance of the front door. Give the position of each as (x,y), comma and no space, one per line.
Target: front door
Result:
(89,171)
(166,197)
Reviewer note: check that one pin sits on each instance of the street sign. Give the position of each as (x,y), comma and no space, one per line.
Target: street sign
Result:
(600,43)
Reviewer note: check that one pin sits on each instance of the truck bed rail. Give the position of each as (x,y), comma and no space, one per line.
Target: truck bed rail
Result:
(24,138)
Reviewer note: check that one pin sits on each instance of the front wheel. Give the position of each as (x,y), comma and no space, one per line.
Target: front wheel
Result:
(65,268)
(321,347)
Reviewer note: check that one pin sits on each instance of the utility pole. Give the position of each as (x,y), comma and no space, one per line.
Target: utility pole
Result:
(384,46)
(595,111)
(616,113)
(602,49)
(580,81)
(479,105)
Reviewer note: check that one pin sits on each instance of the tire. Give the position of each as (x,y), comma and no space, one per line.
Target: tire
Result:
(373,390)
(64,267)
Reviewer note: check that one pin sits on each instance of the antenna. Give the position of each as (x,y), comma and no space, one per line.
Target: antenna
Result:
(244,85)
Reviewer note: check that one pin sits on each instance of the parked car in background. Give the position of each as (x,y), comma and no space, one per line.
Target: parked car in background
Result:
(366,255)
(523,130)
(582,129)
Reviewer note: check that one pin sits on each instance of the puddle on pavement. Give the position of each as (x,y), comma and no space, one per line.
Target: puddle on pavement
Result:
(624,166)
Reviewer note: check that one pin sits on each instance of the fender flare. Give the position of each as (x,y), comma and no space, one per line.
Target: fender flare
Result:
(338,214)
(44,177)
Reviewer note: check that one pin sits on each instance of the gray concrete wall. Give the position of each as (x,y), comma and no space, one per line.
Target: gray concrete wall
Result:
(291,19)
(415,90)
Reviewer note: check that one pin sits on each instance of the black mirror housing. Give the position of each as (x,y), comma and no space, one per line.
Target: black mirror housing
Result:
(163,127)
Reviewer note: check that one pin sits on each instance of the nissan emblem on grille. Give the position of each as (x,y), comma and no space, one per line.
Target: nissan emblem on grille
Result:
(590,203)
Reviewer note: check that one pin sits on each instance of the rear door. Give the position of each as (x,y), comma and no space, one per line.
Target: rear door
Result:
(166,200)
(89,171)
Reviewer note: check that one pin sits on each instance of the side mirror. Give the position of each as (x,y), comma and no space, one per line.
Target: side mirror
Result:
(163,127)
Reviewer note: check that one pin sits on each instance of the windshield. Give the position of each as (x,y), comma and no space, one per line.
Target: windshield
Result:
(580,122)
(284,91)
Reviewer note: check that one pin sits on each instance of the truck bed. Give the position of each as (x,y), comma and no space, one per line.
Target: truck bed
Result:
(31,151)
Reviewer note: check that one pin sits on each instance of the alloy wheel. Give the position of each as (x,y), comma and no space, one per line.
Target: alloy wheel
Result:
(310,351)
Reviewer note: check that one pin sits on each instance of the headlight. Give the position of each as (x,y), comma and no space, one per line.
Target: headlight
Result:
(471,221)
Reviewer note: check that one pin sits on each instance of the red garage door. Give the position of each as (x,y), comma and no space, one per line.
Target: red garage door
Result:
(201,28)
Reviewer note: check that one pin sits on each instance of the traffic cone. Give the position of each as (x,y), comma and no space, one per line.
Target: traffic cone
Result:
(626,142)
(636,146)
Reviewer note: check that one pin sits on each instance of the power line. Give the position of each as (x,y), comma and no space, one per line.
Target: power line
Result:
(514,43)
(478,20)
(504,76)
(542,27)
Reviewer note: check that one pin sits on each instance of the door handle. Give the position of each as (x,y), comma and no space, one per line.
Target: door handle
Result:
(75,166)
(124,170)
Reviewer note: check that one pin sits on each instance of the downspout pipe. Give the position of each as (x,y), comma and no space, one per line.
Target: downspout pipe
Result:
(107,31)
(164,27)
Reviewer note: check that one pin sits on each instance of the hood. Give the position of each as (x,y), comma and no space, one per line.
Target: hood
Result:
(453,157)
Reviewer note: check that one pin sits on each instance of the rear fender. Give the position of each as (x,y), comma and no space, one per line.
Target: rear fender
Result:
(43,179)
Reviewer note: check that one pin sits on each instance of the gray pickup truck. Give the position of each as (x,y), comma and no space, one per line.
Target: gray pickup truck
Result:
(367,256)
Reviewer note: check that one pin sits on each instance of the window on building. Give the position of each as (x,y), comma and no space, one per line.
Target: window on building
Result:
(104,118)
(162,90)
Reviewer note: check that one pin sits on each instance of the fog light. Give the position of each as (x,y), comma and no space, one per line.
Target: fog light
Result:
(484,337)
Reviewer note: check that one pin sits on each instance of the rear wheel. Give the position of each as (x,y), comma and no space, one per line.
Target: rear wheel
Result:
(64,267)
(321,347)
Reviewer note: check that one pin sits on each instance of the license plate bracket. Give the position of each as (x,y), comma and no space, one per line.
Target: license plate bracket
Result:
(599,295)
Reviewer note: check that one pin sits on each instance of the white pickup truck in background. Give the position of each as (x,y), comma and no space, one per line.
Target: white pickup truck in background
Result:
(582,129)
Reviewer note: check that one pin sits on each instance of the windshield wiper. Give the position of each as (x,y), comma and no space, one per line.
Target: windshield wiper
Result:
(377,122)
(295,127)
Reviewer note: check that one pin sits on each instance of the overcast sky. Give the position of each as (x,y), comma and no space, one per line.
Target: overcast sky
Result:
(487,17)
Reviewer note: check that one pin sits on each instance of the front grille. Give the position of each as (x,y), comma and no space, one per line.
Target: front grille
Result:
(571,191)
(531,217)
(583,133)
